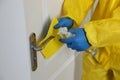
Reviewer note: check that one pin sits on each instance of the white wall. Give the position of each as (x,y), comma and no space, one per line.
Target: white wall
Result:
(14,60)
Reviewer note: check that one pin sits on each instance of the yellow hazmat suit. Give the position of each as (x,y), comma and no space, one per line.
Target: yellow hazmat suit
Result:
(103,32)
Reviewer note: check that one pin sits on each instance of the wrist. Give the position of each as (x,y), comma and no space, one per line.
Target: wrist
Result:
(88,43)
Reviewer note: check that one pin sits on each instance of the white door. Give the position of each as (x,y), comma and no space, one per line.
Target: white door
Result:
(18,19)
(62,66)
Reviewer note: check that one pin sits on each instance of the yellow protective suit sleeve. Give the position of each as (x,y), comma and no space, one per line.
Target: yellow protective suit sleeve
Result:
(104,32)
(53,45)
(76,10)
(105,9)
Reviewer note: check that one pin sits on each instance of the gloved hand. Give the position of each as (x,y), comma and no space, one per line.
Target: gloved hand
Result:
(78,42)
(64,22)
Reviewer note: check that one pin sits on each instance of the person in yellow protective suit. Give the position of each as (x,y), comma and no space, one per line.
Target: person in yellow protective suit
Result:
(102,32)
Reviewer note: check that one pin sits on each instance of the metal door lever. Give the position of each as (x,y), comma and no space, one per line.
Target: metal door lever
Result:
(34,48)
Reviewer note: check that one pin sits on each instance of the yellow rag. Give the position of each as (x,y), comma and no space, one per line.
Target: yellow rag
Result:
(53,45)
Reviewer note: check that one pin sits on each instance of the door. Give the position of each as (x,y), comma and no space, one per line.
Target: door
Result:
(18,19)
(62,65)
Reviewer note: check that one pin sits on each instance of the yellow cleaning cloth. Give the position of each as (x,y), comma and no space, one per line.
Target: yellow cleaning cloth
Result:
(53,45)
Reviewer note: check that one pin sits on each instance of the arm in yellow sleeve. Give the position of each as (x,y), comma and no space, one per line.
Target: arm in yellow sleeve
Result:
(76,10)
(104,32)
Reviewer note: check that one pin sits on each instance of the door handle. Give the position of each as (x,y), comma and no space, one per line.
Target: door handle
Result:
(34,48)
(33,52)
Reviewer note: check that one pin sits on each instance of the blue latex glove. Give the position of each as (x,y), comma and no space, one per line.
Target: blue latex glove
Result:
(64,22)
(78,42)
